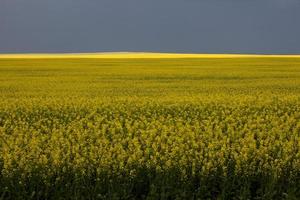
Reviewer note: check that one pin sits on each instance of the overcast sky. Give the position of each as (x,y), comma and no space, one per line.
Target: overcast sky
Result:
(203,26)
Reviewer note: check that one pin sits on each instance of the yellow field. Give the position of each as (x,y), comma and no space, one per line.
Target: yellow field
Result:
(149,126)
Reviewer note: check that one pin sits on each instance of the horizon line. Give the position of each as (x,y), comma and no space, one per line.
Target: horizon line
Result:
(125,54)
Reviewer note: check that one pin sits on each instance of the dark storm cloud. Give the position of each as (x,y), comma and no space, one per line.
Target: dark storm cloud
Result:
(205,26)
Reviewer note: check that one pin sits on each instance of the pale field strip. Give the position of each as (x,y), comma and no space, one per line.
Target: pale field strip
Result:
(125,55)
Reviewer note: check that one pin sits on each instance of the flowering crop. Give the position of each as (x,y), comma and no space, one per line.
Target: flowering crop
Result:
(177,128)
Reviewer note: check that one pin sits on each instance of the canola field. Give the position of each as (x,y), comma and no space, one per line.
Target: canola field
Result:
(150,127)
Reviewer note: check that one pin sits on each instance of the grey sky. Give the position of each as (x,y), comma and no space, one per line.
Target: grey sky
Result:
(204,26)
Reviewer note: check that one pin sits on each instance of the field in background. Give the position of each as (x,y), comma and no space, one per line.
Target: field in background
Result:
(210,127)
(135,55)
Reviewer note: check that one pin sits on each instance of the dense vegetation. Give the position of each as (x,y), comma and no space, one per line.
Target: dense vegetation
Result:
(209,128)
